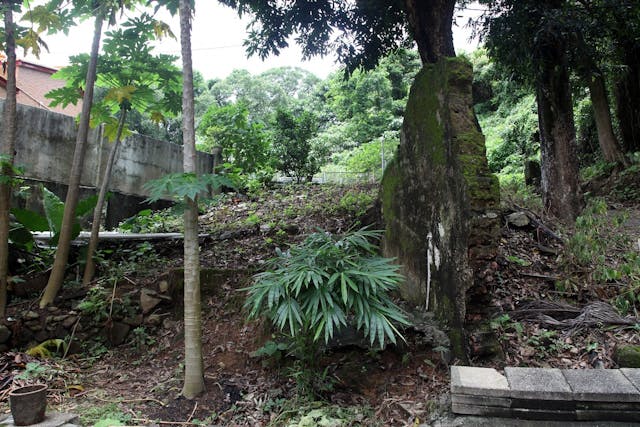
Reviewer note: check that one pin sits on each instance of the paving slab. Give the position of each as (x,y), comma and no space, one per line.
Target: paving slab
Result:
(538,383)
(478,381)
(51,419)
(633,375)
(600,385)
(470,399)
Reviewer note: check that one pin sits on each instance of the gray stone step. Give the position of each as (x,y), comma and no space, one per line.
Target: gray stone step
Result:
(547,394)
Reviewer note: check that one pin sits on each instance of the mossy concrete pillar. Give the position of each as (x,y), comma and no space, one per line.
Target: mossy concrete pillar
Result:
(439,200)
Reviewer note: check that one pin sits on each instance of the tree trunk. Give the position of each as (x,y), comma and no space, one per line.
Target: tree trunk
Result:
(9,128)
(90,267)
(611,151)
(193,363)
(628,100)
(430,23)
(62,252)
(560,189)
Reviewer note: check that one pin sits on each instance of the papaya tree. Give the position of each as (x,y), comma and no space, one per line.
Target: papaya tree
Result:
(102,10)
(134,80)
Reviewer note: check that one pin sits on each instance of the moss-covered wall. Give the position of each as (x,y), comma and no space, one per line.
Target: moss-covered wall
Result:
(439,198)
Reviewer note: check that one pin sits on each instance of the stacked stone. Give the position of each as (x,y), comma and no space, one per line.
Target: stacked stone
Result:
(547,394)
(35,326)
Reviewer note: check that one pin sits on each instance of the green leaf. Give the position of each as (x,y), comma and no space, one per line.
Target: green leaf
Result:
(21,237)
(86,205)
(31,220)
(53,209)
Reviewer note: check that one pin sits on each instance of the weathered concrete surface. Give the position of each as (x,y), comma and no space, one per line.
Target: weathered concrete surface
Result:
(478,381)
(547,394)
(52,419)
(439,198)
(601,385)
(543,384)
(633,375)
(45,145)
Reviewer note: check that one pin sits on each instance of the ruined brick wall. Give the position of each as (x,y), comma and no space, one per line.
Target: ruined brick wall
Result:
(439,199)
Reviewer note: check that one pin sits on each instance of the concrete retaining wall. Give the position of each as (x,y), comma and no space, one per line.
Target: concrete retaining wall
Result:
(45,145)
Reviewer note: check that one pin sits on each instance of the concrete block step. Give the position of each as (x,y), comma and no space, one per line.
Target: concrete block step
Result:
(547,394)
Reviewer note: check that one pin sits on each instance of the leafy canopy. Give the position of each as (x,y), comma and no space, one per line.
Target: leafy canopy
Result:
(244,144)
(132,76)
(366,30)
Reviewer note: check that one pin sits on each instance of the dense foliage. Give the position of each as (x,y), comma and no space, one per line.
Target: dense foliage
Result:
(289,120)
(312,290)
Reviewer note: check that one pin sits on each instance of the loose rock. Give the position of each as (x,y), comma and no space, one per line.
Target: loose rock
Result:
(518,219)
(149,300)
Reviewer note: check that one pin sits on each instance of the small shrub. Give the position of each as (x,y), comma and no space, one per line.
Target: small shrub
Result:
(356,203)
(148,221)
(599,246)
(312,290)
(513,190)
(141,340)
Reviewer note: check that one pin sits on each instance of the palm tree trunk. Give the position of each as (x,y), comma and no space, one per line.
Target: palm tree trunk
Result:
(62,252)
(193,363)
(9,128)
(611,150)
(90,267)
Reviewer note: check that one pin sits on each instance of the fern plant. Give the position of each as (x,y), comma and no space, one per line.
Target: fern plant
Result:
(313,289)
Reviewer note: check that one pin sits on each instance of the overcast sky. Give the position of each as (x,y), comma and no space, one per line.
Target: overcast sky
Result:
(217,39)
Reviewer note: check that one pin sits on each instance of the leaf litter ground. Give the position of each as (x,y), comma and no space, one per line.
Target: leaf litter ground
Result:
(398,386)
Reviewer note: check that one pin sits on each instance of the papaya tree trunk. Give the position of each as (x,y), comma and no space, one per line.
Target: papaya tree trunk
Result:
(90,267)
(64,243)
(9,129)
(611,151)
(193,363)
(560,189)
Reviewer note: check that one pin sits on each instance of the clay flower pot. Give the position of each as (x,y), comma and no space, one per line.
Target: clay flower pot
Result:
(28,404)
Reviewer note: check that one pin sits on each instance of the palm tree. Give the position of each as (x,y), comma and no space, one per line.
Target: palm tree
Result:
(193,364)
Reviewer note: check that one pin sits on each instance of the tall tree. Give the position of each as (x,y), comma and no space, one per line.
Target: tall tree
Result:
(243,143)
(9,129)
(559,165)
(295,153)
(529,38)
(622,22)
(136,80)
(193,362)
(101,10)
(73,190)
(587,36)
(41,18)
